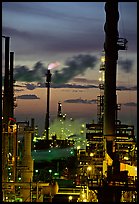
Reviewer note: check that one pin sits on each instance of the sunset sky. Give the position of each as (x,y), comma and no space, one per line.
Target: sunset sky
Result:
(71,33)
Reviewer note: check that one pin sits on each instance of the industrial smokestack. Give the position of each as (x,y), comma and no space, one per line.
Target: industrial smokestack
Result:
(111,56)
(11,89)
(6,85)
(48,80)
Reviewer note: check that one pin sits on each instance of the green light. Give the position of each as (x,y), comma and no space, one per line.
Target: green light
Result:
(50,170)
(56,174)
(71,152)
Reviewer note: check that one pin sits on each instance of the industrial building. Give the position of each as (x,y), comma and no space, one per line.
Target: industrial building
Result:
(104,171)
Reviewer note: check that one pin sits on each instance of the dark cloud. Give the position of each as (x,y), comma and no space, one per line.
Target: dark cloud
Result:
(47,11)
(93,101)
(27,96)
(74,66)
(30,86)
(126,65)
(23,73)
(75,86)
(79,100)
(84,80)
(53,42)
(17,85)
(16,33)
(29,9)
(130,104)
(61,28)
(18,90)
(125,88)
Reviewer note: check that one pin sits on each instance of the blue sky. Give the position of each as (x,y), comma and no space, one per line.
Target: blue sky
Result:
(44,32)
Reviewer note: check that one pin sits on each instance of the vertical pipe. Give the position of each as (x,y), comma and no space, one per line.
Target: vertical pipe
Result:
(48,80)
(11,92)
(16,158)
(111,56)
(5,113)
(32,135)
(6,85)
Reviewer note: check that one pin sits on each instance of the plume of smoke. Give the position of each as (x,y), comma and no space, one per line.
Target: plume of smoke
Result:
(74,66)
(23,73)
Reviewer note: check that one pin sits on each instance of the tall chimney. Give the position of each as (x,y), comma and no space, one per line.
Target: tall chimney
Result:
(6,85)
(111,56)
(48,80)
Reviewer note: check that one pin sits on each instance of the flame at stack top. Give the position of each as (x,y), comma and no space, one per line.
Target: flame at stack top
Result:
(53,65)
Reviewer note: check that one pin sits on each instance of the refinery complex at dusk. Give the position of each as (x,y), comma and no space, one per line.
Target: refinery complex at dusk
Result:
(70,160)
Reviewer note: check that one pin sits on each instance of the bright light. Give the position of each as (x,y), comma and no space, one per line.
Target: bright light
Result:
(103,59)
(91,154)
(89,168)
(83,125)
(126,158)
(70,198)
(83,195)
(71,152)
(10,154)
(85,200)
(56,174)
(13,159)
(78,147)
(53,65)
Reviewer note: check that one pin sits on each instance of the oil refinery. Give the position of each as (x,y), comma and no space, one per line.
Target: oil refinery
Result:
(71,162)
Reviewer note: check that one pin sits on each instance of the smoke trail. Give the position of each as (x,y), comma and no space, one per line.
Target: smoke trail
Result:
(74,66)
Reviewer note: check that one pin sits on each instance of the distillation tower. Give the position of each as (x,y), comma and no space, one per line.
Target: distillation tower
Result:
(9,142)
(111,149)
